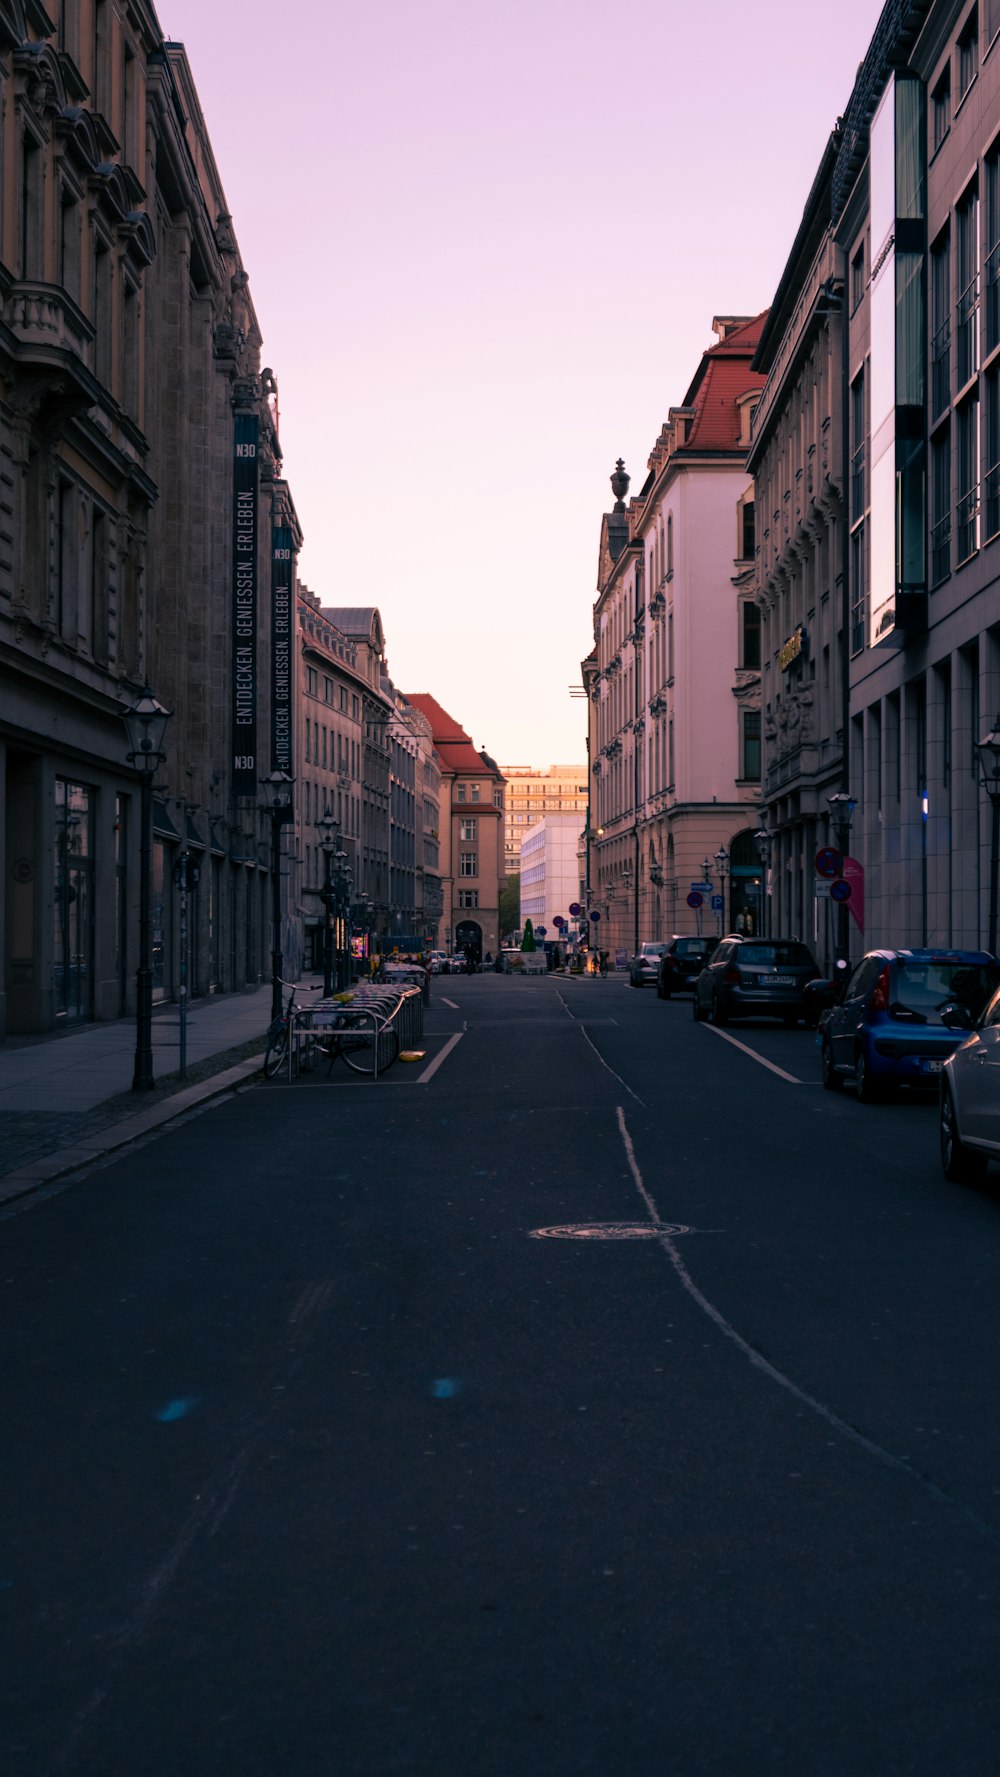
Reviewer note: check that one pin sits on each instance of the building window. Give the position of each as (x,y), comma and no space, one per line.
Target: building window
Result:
(459,792)
(327,689)
(968,54)
(748,540)
(941,110)
(940,506)
(858,433)
(991,477)
(468,863)
(940,325)
(343,697)
(751,635)
(498,798)
(991,265)
(468,897)
(751,745)
(469,829)
(355,707)
(857,277)
(859,587)
(475,792)
(670,545)
(967,506)
(967,307)
(311,680)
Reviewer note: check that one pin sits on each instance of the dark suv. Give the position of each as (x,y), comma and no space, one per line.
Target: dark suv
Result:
(681,962)
(754,977)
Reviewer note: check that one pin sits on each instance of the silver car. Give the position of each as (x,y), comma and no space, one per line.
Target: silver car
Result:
(970,1096)
(644,969)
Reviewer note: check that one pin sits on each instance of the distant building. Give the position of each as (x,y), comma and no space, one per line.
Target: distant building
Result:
(471,838)
(550,874)
(531,793)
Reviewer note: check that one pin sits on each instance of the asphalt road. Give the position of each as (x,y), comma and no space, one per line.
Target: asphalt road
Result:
(341,1436)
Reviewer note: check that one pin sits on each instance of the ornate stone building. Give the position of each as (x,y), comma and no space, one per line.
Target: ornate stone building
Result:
(129,355)
(673,692)
(796,459)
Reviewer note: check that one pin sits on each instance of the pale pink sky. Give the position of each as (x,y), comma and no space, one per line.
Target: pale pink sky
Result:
(485,244)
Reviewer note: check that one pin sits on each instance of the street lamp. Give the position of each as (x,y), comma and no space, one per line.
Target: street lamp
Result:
(842,806)
(277,788)
(989,766)
(329,832)
(762,840)
(722,866)
(145,726)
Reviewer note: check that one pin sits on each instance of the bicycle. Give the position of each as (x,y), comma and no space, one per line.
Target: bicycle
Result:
(279,1029)
(366,1044)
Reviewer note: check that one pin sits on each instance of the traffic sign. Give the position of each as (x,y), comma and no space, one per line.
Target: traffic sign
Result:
(840,891)
(575,908)
(821,888)
(559,922)
(827,861)
(541,930)
(694,899)
(595,916)
(716,903)
(701,888)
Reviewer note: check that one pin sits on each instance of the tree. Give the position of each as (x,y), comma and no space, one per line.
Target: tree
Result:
(510,905)
(528,941)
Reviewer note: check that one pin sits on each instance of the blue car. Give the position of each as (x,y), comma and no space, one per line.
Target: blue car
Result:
(887,1028)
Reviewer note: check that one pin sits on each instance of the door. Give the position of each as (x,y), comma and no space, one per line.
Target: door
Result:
(844,1021)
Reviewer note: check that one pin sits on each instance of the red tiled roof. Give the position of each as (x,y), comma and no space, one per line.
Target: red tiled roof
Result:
(723,375)
(450,739)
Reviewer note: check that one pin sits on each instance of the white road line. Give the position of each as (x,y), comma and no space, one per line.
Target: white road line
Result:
(792,1081)
(898,1463)
(450,1003)
(611,1071)
(432,1068)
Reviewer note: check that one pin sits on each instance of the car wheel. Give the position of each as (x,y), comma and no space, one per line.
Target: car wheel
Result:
(866,1088)
(833,1081)
(719,1015)
(662,993)
(698,1010)
(962,1165)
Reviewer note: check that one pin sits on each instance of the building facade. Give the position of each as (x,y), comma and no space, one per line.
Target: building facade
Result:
(129,367)
(550,874)
(532,793)
(673,683)
(888,316)
(472,828)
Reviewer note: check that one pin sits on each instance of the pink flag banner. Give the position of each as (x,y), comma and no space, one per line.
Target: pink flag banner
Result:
(854,873)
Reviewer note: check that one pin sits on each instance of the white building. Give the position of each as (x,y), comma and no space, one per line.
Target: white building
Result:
(550,876)
(532,793)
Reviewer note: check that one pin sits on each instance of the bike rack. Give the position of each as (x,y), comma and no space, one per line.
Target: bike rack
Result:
(401,1007)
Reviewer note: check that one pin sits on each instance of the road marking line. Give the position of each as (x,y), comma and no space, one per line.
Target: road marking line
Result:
(898,1464)
(611,1071)
(429,1072)
(724,1034)
(450,1003)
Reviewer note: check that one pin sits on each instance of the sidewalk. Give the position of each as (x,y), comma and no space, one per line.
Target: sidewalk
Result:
(66,1099)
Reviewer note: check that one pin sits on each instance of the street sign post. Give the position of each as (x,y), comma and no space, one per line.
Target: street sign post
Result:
(827,862)
(702,888)
(716,903)
(694,899)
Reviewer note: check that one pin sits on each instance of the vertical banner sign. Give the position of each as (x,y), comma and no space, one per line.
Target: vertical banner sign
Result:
(281,649)
(244,762)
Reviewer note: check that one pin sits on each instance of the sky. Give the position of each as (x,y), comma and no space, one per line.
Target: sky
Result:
(485,245)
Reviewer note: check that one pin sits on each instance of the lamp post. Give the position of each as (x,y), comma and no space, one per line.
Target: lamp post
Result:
(277,788)
(342,902)
(842,806)
(762,839)
(329,833)
(989,766)
(722,866)
(145,726)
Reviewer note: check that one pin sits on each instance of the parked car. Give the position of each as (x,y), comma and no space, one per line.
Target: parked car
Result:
(888,1028)
(970,1095)
(682,961)
(644,966)
(754,977)
(437,962)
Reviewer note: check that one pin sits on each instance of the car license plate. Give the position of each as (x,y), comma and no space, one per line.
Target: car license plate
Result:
(777,981)
(932,1067)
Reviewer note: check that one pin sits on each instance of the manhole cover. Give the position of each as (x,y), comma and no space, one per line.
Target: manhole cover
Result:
(608,1231)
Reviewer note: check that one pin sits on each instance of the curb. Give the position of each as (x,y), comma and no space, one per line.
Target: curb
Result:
(51,1167)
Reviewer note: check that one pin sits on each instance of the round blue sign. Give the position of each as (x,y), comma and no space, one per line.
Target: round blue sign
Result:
(840,891)
(595,917)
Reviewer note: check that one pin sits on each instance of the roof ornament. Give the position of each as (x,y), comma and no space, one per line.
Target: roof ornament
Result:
(620,485)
